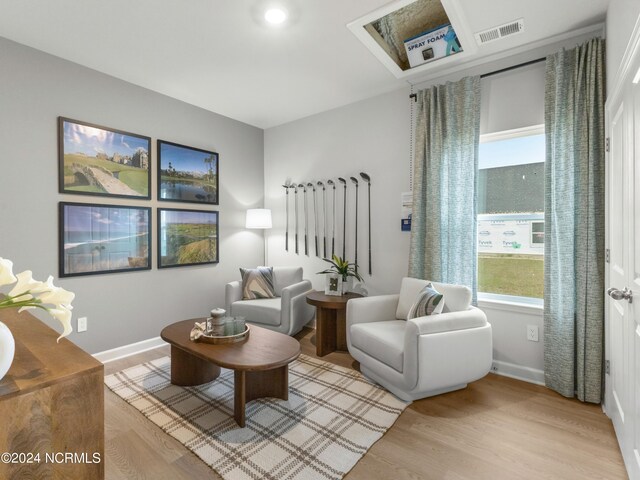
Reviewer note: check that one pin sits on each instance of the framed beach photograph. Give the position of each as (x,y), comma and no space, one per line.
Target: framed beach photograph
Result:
(95,160)
(187,174)
(187,237)
(103,238)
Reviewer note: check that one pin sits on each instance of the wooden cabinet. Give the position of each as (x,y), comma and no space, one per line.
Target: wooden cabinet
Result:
(51,404)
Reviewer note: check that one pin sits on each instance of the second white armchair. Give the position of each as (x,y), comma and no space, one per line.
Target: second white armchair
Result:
(424,356)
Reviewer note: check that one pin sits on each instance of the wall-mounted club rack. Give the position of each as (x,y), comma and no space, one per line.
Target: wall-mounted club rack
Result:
(324,235)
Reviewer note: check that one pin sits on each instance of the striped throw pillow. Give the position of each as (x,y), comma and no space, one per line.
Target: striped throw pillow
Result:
(257,283)
(428,302)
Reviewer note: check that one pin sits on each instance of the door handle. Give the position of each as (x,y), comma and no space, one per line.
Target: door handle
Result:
(625,294)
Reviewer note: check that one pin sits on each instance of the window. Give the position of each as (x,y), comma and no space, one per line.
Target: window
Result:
(511,213)
(537,233)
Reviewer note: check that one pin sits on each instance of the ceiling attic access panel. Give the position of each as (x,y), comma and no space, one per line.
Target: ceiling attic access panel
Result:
(413,36)
(409,27)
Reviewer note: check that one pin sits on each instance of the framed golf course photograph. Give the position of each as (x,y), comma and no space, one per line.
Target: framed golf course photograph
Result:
(95,160)
(103,238)
(187,237)
(187,174)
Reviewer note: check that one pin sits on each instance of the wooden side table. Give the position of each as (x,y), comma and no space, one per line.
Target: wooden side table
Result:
(331,333)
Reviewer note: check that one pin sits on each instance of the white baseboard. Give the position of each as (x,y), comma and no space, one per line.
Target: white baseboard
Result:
(128,350)
(511,370)
(505,369)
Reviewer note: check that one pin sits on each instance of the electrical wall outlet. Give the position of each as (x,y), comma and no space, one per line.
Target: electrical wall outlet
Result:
(532,333)
(82,324)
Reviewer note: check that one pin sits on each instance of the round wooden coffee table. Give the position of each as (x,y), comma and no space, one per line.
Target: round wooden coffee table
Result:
(331,334)
(260,364)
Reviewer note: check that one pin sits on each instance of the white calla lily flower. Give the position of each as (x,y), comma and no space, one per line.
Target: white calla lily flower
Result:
(6,272)
(43,287)
(28,293)
(21,290)
(63,315)
(56,295)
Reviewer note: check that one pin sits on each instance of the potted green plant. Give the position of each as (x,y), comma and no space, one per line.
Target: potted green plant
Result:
(344,269)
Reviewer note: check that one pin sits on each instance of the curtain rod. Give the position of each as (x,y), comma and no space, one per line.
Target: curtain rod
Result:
(495,72)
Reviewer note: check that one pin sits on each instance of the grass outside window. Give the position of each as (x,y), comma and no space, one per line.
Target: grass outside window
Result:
(505,274)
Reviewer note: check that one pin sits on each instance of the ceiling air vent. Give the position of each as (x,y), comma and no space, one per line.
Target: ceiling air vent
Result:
(496,33)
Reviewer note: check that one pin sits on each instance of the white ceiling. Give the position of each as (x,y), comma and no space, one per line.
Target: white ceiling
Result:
(219,54)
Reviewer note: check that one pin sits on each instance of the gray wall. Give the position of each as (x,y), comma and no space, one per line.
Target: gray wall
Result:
(371,136)
(122,308)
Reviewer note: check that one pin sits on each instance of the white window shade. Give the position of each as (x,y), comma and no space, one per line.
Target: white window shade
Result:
(513,99)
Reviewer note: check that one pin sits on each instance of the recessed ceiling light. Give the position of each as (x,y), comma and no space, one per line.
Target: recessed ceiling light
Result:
(275,16)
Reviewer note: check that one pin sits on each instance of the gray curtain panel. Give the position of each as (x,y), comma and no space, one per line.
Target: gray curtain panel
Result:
(574,221)
(443,225)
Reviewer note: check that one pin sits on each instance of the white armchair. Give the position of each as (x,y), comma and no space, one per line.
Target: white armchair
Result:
(287,313)
(423,356)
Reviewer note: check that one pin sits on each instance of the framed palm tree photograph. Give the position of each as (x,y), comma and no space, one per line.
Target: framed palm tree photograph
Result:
(187,174)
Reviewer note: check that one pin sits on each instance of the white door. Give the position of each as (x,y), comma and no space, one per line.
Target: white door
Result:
(617,387)
(622,394)
(634,284)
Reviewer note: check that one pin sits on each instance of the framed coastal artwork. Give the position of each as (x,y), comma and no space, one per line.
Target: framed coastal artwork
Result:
(103,238)
(187,237)
(187,174)
(96,160)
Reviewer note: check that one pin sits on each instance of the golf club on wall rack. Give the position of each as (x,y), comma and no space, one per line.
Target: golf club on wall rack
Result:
(306,225)
(324,219)
(367,179)
(333,219)
(344,219)
(355,180)
(295,192)
(286,230)
(323,230)
(315,213)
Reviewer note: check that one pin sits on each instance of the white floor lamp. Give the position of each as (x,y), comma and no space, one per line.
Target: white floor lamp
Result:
(260,218)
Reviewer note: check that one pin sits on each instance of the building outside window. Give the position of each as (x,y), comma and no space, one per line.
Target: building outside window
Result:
(511,213)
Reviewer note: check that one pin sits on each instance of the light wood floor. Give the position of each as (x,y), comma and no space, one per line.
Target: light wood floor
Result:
(497,428)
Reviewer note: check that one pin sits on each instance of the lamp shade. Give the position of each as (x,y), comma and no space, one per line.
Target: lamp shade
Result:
(258,218)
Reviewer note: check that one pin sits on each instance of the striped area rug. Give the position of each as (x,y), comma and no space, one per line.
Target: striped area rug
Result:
(333,416)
